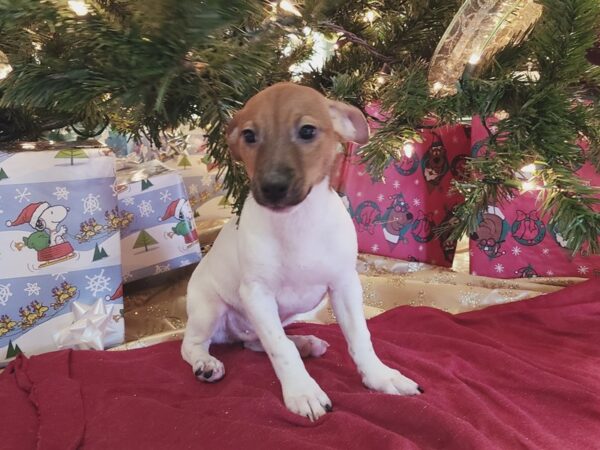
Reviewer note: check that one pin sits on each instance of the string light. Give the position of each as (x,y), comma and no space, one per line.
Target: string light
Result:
(408,149)
(380,79)
(474,58)
(529,169)
(369,16)
(5,67)
(528,186)
(289,7)
(78,7)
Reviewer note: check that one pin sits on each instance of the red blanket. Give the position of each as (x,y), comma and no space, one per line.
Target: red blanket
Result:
(521,375)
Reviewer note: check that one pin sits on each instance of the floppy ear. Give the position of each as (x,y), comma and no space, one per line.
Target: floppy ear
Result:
(349,122)
(233,134)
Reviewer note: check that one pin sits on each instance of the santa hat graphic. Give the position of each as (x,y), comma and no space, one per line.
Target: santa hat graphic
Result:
(117,294)
(30,214)
(174,209)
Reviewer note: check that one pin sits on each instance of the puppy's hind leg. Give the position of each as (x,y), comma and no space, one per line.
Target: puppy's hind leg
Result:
(307,345)
(205,315)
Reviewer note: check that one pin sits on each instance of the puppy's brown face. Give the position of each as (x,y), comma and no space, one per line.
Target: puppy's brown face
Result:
(286,136)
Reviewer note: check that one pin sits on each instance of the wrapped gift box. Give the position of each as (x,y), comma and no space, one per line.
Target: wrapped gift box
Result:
(514,239)
(200,179)
(60,260)
(156,220)
(397,216)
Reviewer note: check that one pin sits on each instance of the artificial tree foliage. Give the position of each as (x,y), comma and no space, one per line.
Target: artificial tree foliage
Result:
(144,67)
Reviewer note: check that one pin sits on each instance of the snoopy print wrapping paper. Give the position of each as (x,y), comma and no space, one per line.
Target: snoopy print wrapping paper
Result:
(60,257)
(158,231)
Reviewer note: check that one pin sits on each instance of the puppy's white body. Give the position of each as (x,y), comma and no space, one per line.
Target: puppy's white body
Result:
(274,265)
(294,255)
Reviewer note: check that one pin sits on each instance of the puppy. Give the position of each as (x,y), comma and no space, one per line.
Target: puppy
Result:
(294,243)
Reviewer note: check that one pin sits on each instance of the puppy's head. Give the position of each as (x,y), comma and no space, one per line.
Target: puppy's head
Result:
(286,136)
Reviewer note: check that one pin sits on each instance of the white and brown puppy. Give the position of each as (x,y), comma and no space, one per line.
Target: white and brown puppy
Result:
(295,242)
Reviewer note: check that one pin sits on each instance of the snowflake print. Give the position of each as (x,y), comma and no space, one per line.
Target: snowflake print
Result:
(61,193)
(359,194)
(421,248)
(128,201)
(499,268)
(396,184)
(361,173)
(583,270)
(380,198)
(184,262)
(193,189)
(97,283)
(165,196)
(59,275)
(417,181)
(91,204)
(32,289)
(127,277)
(516,251)
(546,251)
(416,202)
(161,268)
(375,247)
(145,208)
(23,195)
(5,293)
(550,273)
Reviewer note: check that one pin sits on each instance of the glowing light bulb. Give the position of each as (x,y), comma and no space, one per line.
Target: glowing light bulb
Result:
(289,7)
(380,79)
(528,186)
(78,7)
(437,86)
(408,149)
(528,169)
(5,69)
(474,58)
(369,16)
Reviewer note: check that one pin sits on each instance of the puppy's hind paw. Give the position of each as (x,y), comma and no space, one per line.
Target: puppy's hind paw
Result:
(209,369)
(390,381)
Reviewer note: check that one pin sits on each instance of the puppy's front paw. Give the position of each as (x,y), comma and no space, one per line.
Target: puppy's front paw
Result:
(307,399)
(390,381)
(209,369)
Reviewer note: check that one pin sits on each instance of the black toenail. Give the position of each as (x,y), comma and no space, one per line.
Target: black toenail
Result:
(328,408)
(208,374)
(420,389)
(198,372)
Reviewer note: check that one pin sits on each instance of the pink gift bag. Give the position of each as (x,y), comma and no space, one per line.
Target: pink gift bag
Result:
(514,240)
(397,217)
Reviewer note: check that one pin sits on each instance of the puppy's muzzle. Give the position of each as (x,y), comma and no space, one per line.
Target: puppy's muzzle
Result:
(275,186)
(278,189)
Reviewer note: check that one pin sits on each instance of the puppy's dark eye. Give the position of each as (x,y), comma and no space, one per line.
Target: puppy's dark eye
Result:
(249,136)
(307,132)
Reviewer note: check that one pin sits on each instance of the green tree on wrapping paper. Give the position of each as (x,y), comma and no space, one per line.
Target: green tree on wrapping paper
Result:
(144,239)
(72,153)
(3,175)
(146,184)
(99,253)
(13,350)
(184,162)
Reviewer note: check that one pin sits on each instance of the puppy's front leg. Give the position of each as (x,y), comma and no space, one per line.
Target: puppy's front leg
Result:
(347,303)
(301,393)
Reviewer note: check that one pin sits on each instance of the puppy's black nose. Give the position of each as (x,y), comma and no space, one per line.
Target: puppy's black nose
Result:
(275,186)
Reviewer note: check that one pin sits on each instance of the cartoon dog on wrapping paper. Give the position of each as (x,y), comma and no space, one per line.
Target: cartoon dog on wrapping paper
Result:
(48,238)
(295,242)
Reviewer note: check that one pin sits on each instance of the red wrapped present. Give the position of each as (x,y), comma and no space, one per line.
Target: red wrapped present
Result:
(397,216)
(514,239)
